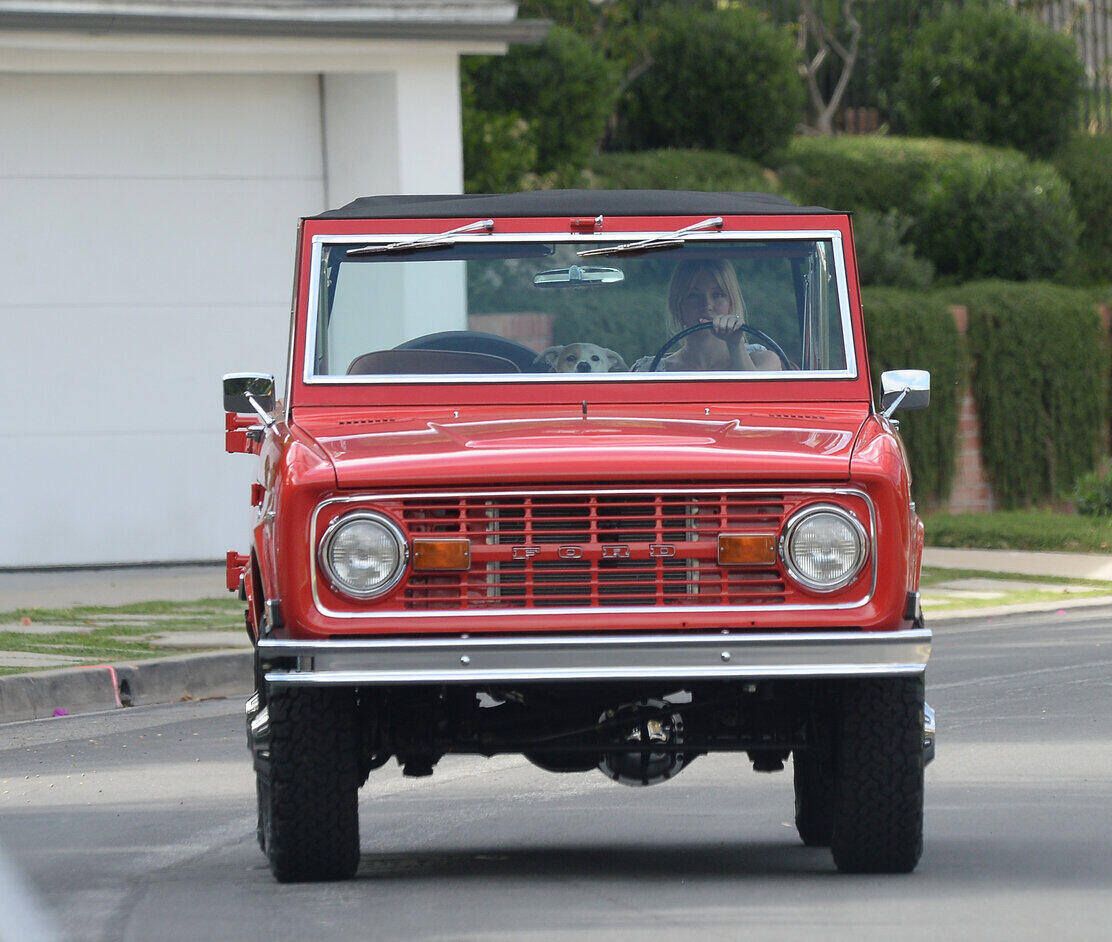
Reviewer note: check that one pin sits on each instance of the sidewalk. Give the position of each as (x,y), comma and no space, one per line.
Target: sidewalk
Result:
(967,596)
(65,588)
(1065,565)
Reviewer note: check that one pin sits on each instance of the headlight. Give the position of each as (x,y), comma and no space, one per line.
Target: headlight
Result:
(823,547)
(363,554)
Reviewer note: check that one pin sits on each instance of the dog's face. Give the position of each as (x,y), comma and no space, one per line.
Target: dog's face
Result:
(581,358)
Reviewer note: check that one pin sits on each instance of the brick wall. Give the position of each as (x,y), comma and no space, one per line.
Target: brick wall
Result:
(533,330)
(971,492)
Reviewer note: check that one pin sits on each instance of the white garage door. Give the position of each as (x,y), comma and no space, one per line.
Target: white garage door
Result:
(146,247)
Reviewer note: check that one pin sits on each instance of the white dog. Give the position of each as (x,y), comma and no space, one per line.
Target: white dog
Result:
(580,358)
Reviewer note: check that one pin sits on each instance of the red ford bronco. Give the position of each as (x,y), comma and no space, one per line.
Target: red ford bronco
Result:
(594,477)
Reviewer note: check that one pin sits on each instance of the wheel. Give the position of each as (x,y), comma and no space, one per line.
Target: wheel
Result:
(878,794)
(785,362)
(309,795)
(814,798)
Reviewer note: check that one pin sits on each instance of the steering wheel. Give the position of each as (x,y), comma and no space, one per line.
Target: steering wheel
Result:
(706,325)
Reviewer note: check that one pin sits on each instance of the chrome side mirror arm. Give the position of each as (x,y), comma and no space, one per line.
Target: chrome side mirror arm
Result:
(266,417)
(895,403)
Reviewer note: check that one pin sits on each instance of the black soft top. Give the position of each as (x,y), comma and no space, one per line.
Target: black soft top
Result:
(572,203)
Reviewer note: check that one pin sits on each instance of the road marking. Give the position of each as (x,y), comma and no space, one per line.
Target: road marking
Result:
(1034,672)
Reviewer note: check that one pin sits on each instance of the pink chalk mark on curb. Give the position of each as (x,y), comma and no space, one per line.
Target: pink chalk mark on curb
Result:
(112,675)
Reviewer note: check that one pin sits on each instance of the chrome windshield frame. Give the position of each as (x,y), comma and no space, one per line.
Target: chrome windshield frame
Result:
(811,235)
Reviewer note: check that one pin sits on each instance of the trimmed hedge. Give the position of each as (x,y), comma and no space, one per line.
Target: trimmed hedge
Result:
(726,79)
(990,74)
(679,169)
(1040,377)
(1086,164)
(913,330)
(978,212)
(883,257)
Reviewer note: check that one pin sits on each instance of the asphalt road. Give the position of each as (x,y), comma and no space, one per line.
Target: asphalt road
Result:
(139,825)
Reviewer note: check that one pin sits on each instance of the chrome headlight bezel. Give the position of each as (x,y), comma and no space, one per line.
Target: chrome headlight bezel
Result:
(790,530)
(332,531)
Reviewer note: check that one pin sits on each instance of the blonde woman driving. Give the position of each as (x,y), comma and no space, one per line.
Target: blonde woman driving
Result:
(707,292)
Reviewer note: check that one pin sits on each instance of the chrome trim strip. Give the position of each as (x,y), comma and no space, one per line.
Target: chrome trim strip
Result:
(310,379)
(491,614)
(610,657)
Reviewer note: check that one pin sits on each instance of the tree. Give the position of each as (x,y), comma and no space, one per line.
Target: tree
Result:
(815,33)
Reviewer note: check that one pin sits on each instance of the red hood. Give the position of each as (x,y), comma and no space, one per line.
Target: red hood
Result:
(495,447)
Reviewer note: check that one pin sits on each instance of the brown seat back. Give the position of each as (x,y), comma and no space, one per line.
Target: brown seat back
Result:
(428,362)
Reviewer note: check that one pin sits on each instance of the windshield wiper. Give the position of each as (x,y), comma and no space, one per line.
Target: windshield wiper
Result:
(668,241)
(438,241)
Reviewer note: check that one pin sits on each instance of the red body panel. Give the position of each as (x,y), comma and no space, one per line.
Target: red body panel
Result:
(341,440)
(642,442)
(540,394)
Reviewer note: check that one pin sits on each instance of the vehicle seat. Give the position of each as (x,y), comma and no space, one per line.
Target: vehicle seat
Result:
(428,362)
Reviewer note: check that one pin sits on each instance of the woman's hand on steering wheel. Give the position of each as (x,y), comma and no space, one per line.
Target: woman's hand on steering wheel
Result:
(727,327)
(742,328)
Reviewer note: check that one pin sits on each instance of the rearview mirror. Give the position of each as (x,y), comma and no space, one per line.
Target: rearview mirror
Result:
(578,276)
(238,385)
(904,389)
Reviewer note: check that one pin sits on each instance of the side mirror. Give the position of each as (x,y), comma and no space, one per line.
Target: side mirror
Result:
(238,385)
(904,389)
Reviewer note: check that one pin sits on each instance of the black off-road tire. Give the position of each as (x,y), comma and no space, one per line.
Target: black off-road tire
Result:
(878,806)
(814,798)
(309,794)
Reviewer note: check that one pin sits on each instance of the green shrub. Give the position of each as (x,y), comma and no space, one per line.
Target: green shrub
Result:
(883,258)
(1086,164)
(565,89)
(977,212)
(989,74)
(498,151)
(679,170)
(851,172)
(995,214)
(1041,384)
(912,330)
(1092,494)
(723,80)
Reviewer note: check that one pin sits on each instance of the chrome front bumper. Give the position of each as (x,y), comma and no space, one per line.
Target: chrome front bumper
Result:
(479,660)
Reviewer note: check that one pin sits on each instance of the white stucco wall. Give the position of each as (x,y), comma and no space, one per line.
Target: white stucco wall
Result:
(149,225)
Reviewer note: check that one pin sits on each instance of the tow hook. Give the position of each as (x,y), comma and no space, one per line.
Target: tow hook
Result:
(928,734)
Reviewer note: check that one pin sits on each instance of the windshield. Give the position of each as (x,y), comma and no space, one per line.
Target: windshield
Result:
(537,310)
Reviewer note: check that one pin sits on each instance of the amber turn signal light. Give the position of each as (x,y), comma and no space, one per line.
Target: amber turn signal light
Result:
(441,555)
(749,549)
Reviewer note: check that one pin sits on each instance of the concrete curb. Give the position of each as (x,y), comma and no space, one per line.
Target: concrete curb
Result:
(137,683)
